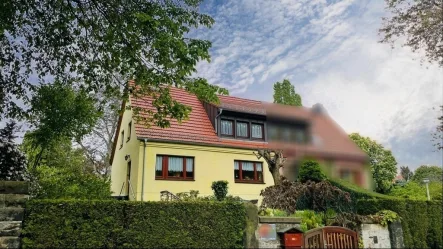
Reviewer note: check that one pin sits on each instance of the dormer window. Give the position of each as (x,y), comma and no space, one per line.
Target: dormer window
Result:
(257,131)
(227,127)
(242,129)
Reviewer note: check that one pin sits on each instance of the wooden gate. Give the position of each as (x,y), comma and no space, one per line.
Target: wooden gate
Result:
(331,237)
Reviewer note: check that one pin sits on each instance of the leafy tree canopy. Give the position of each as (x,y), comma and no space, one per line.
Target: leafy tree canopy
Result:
(284,93)
(63,172)
(382,162)
(12,161)
(88,43)
(420,21)
(433,173)
(59,112)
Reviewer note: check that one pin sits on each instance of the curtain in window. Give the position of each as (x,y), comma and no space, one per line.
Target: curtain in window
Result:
(236,165)
(189,164)
(226,127)
(247,166)
(259,166)
(158,163)
(242,129)
(175,164)
(257,131)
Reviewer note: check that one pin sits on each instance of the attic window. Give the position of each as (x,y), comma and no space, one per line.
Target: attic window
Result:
(227,127)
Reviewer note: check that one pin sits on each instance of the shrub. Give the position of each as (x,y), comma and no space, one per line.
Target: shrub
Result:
(220,189)
(310,171)
(317,196)
(117,224)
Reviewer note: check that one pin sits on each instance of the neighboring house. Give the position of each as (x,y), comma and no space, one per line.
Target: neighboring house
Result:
(217,143)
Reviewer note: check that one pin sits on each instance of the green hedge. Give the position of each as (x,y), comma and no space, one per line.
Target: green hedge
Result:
(356,191)
(112,224)
(421,220)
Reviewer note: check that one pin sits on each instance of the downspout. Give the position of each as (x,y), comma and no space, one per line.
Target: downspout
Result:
(143,167)
(218,115)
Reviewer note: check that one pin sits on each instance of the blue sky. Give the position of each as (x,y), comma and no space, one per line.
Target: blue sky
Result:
(329,50)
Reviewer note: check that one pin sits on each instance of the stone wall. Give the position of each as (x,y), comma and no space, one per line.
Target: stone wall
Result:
(281,223)
(13,196)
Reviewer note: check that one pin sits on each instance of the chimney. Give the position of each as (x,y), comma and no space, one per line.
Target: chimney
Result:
(319,109)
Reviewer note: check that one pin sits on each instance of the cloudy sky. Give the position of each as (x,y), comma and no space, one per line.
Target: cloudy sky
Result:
(329,50)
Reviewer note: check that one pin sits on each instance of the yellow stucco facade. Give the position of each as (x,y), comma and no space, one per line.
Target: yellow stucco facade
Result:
(210,164)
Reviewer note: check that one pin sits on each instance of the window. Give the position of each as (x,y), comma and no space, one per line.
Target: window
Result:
(174,167)
(227,127)
(129,130)
(242,129)
(122,138)
(346,174)
(257,131)
(248,172)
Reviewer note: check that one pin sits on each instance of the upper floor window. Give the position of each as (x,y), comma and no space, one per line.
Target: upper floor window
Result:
(248,172)
(257,131)
(129,130)
(227,127)
(242,129)
(174,167)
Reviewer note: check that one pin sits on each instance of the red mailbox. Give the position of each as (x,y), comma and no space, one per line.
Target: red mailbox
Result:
(291,238)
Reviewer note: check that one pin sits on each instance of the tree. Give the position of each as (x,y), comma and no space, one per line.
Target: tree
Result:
(285,94)
(310,171)
(275,161)
(382,162)
(87,43)
(97,145)
(12,161)
(63,172)
(406,173)
(438,135)
(433,173)
(420,21)
(59,112)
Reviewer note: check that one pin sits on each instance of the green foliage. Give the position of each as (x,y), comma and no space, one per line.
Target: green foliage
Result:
(309,220)
(383,163)
(63,173)
(421,220)
(355,191)
(220,189)
(417,191)
(13,164)
(310,171)
(285,94)
(88,43)
(117,224)
(433,173)
(273,212)
(387,216)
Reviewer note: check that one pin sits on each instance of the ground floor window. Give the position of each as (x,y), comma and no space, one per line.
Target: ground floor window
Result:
(245,171)
(174,167)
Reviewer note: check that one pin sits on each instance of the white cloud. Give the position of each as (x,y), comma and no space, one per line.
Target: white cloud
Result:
(330,51)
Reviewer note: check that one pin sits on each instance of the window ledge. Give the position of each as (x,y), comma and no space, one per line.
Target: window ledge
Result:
(249,182)
(172,179)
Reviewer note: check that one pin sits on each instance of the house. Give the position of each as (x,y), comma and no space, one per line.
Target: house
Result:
(217,143)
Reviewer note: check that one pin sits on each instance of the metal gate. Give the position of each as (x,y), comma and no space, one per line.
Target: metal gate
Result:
(331,237)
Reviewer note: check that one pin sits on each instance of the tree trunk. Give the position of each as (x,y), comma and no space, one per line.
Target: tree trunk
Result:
(276,175)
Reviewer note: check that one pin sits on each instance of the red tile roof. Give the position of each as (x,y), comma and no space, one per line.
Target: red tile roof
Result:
(197,129)
(330,138)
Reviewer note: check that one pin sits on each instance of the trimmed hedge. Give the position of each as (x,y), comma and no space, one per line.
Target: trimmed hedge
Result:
(356,191)
(421,220)
(112,224)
